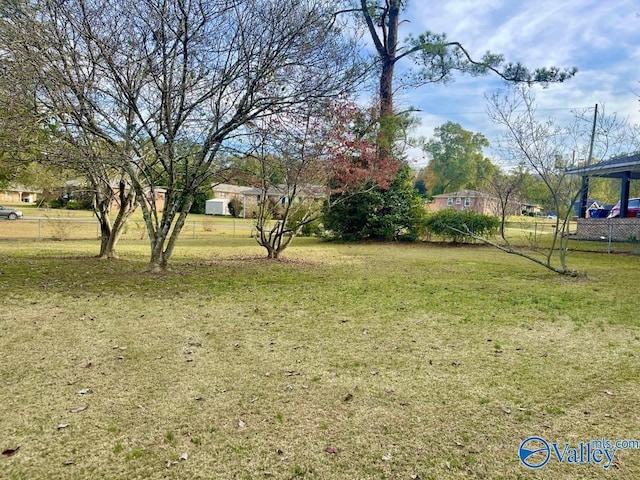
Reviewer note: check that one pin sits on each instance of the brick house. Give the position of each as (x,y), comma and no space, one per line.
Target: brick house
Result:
(19,194)
(466,200)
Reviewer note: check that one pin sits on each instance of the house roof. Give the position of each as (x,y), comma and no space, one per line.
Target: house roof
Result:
(314,191)
(21,189)
(614,168)
(228,188)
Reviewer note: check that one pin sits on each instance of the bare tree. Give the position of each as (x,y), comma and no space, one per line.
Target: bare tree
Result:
(292,177)
(506,187)
(58,73)
(171,84)
(547,149)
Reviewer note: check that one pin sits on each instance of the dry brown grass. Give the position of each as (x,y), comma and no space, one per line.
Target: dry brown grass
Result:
(407,361)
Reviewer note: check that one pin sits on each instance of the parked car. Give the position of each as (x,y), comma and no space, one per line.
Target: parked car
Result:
(633,209)
(10,213)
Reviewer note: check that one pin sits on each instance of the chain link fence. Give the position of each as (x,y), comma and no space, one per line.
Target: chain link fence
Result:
(89,229)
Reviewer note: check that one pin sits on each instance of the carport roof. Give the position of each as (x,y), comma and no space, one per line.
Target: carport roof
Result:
(615,168)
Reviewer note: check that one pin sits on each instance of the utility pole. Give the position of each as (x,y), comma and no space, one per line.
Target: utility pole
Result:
(584,192)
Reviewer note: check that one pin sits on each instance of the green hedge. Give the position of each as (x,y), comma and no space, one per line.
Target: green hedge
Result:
(449,224)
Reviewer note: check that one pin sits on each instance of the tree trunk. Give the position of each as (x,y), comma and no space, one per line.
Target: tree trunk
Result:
(163,240)
(106,244)
(386,46)
(386,132)
(110,232)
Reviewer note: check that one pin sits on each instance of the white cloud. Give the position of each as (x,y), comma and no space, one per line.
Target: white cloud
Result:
(601,38)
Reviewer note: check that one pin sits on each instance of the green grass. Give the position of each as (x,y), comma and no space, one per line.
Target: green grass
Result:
(411,361)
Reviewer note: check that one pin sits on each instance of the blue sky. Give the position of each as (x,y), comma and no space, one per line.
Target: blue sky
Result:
(599,37)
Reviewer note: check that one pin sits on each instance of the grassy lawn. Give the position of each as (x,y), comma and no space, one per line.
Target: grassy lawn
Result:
(339,362)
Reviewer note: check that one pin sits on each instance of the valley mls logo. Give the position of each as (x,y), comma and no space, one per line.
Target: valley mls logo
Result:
(535,452)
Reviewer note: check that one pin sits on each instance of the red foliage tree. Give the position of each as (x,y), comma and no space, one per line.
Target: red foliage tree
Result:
(354,157)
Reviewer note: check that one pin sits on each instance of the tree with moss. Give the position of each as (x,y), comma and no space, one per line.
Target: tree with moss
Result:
(435,57)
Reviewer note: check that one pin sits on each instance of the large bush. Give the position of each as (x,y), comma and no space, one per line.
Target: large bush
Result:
(373,213)
(453,225)
(235,207)
(199,205)
(313,227)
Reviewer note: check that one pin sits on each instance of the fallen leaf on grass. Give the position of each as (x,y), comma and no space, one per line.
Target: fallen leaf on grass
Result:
(10,451)
(78,409)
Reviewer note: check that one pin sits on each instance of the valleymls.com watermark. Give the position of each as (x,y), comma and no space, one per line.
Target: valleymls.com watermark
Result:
(536,452)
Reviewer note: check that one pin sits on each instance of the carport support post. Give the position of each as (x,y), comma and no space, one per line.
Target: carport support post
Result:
(624,194)
(584,197)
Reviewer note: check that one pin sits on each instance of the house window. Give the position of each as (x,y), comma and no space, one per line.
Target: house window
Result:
(458,201)
(449,202)
(467,202)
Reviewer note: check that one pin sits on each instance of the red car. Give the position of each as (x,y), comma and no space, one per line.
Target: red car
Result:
(633,209)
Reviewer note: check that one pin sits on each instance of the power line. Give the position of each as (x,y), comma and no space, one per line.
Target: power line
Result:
(484,112)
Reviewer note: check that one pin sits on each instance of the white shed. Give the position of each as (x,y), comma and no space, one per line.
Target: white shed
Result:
(217,206)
